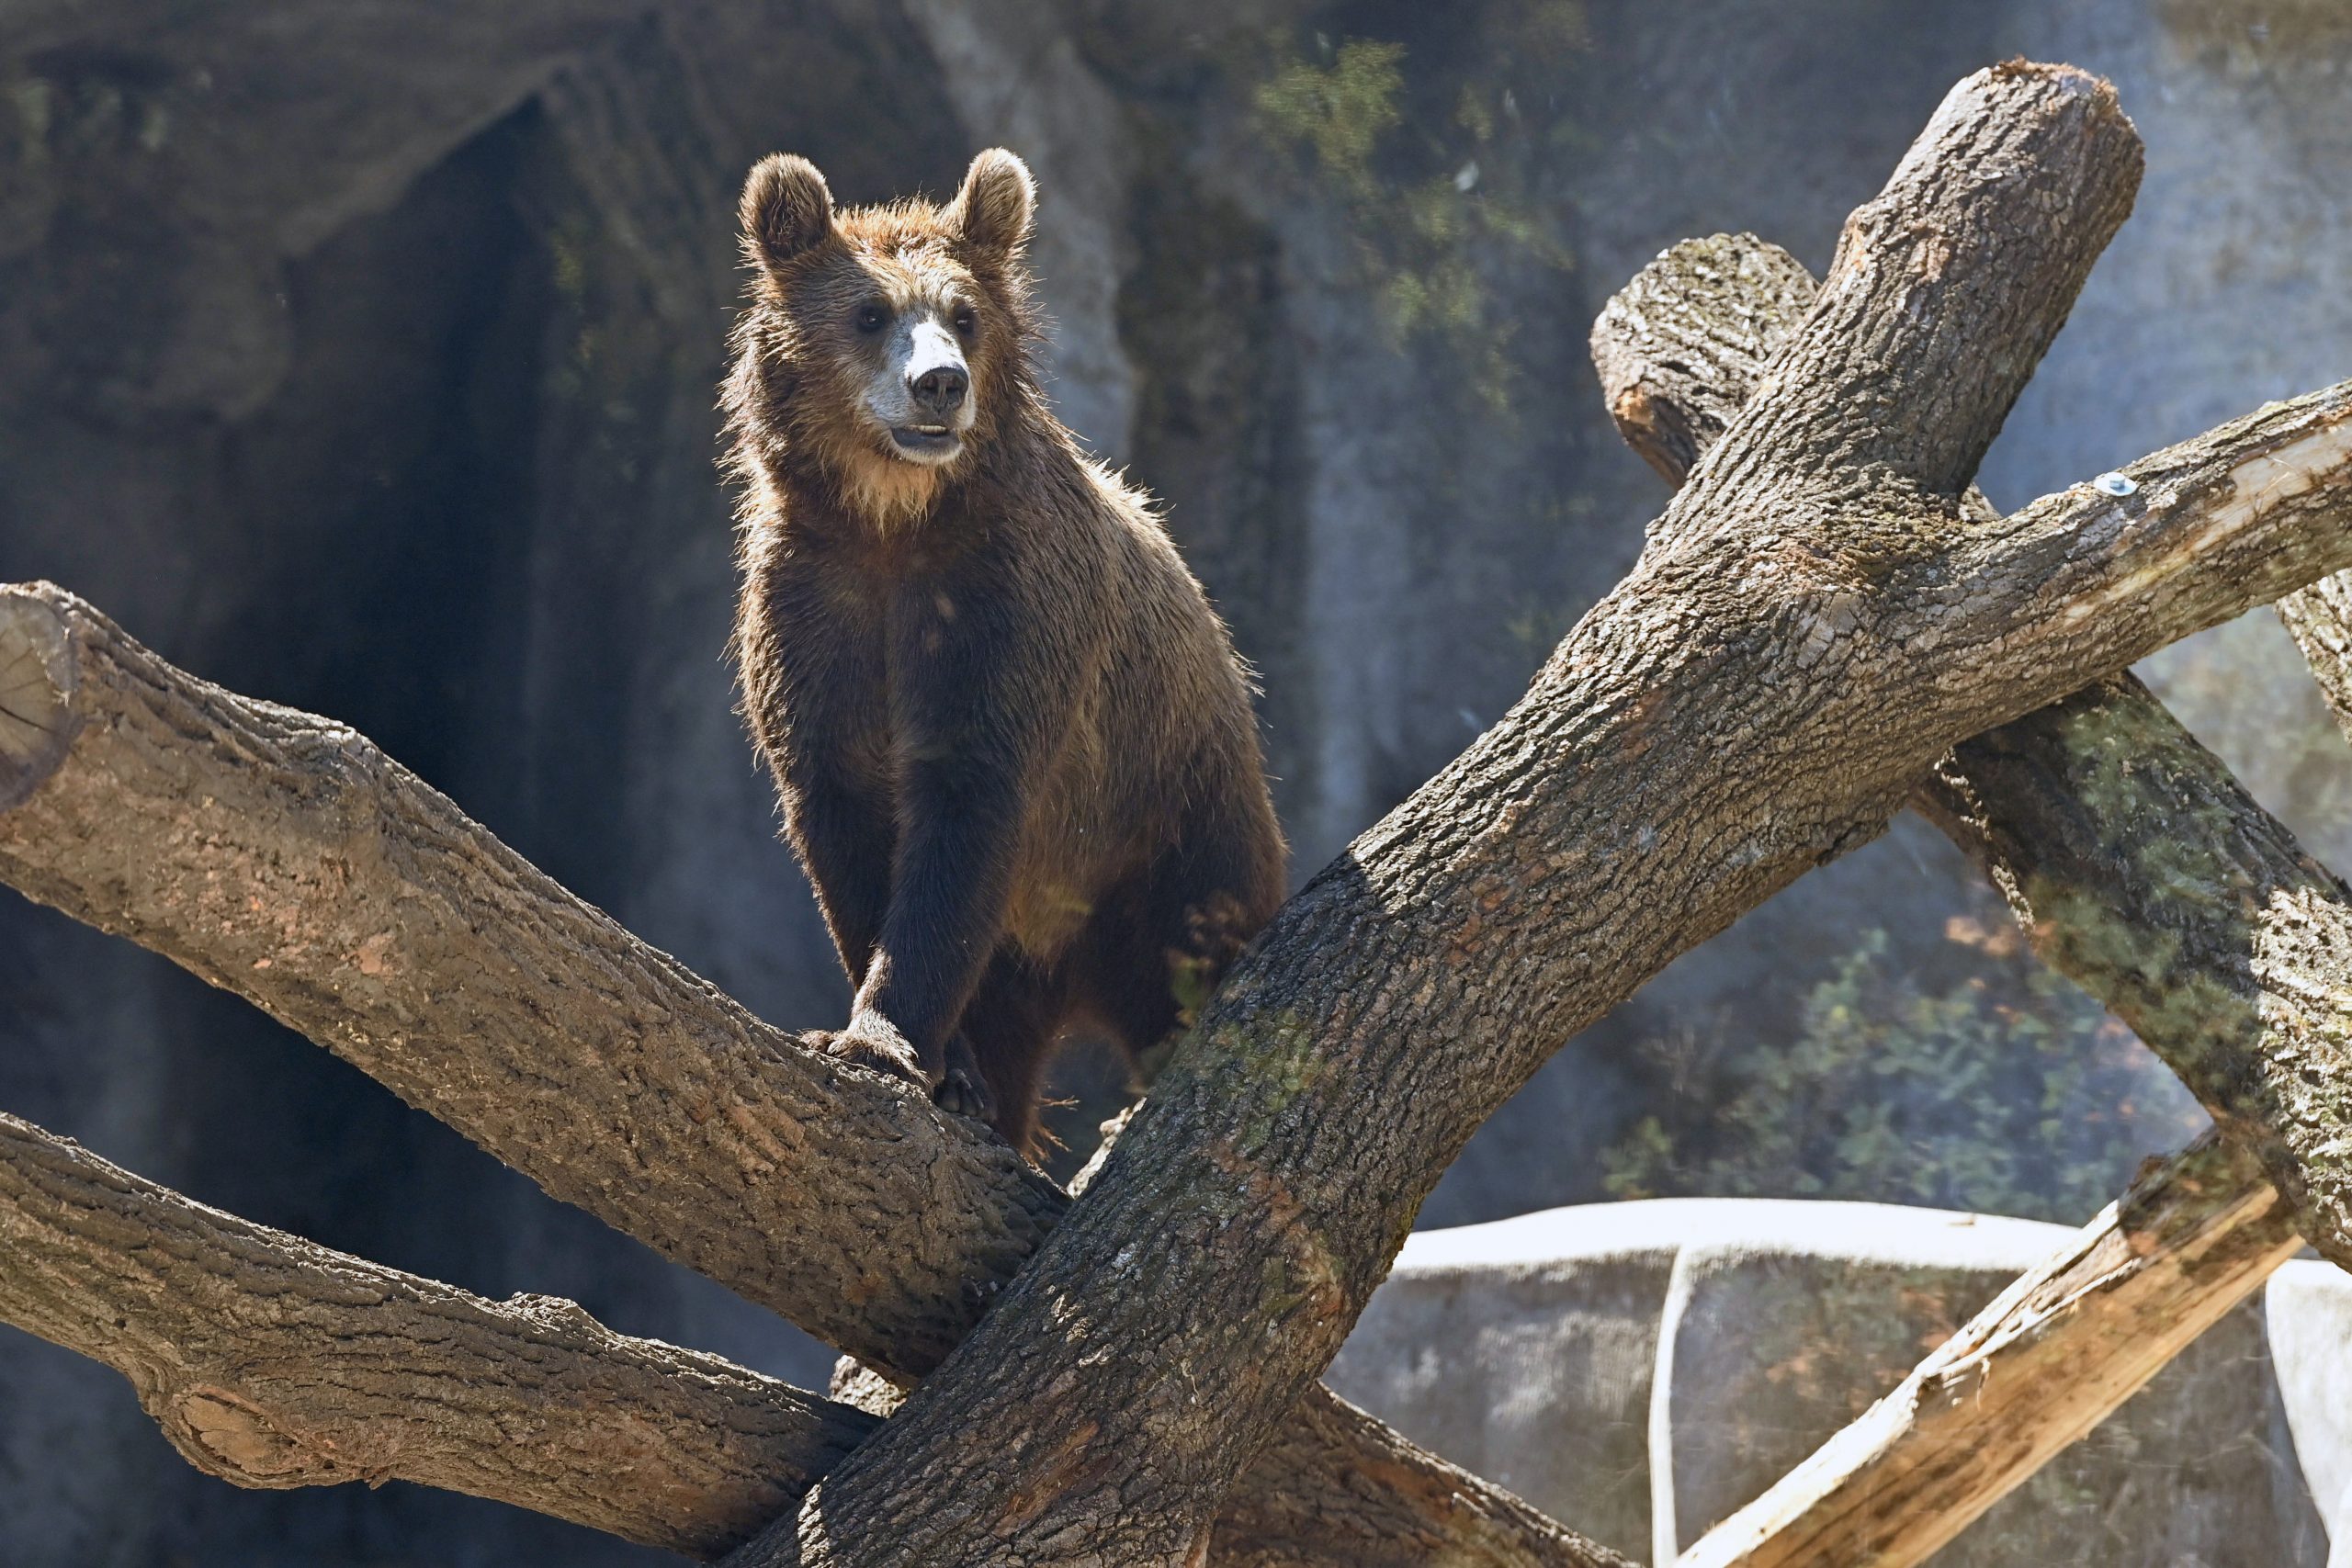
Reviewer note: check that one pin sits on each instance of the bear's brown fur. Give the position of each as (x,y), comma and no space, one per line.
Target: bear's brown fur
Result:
(1014,746)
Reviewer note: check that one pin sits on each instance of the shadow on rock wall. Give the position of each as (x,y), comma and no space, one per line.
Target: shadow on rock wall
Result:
(365,361)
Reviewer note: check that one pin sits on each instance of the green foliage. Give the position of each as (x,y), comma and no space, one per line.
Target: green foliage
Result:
(2008,1092)
(51,119)
(1340,111)
(1436,167)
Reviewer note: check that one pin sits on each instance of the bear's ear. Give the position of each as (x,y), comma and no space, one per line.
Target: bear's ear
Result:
(993,209)
(786,208)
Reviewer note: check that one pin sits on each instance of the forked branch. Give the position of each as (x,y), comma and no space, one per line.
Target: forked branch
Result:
(1801,619)
(272,1362)
(1815,630)
(327,885)
(2136,863)
(2140,868)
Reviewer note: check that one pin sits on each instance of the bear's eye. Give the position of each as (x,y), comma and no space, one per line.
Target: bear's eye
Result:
(967,321)
(871,317)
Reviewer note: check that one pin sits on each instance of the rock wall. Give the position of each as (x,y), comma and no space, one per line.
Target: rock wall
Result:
(361,357)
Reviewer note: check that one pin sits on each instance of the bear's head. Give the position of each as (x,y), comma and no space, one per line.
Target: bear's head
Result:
(883,348)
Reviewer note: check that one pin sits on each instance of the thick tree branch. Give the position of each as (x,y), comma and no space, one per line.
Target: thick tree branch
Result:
(272,1363)
(1358,1492)
(1389,1503)
(1680,348)
(1755,697)
(2139,868)
(2319,617)
(1380,1511)
(283,857)
(2036,1369)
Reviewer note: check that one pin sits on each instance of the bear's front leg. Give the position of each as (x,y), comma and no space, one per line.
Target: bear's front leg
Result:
(873,1040)
(976,707)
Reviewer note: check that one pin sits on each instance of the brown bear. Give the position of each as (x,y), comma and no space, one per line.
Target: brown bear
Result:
(1015,745)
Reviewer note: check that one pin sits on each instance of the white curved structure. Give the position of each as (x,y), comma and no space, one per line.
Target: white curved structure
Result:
(1641,1370)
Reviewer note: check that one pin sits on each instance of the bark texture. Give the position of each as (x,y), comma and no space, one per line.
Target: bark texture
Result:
(2142,870)
(1391,1502)
(2320,618)
(272,1362)
(2137,865)
(323,882)
(2037,1369)
(1809,617)
(1682,346)
(2140,867)
(1820,612)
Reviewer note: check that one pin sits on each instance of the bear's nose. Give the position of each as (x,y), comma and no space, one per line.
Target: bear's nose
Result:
(940,389)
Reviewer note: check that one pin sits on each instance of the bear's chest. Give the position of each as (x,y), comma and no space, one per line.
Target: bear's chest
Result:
(884,664)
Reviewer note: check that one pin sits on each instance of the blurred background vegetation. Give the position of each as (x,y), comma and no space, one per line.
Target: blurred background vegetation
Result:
(362,359)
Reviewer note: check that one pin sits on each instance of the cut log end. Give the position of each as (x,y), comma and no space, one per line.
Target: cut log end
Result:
(37,680)
(1682,345)
(2070,88)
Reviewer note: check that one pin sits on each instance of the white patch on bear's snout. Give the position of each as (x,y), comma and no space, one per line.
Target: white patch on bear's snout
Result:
(919,343)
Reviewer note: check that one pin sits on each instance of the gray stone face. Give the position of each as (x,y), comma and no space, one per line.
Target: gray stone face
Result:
(362,357)
(1524,1350)
(1644,1369)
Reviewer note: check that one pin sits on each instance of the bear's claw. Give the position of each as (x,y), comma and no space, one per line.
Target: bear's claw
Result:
(962,1091)
(960,1095)
(882,1052)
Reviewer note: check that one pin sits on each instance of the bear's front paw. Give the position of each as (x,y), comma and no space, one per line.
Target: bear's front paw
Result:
(962,1091)
(871,1043)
